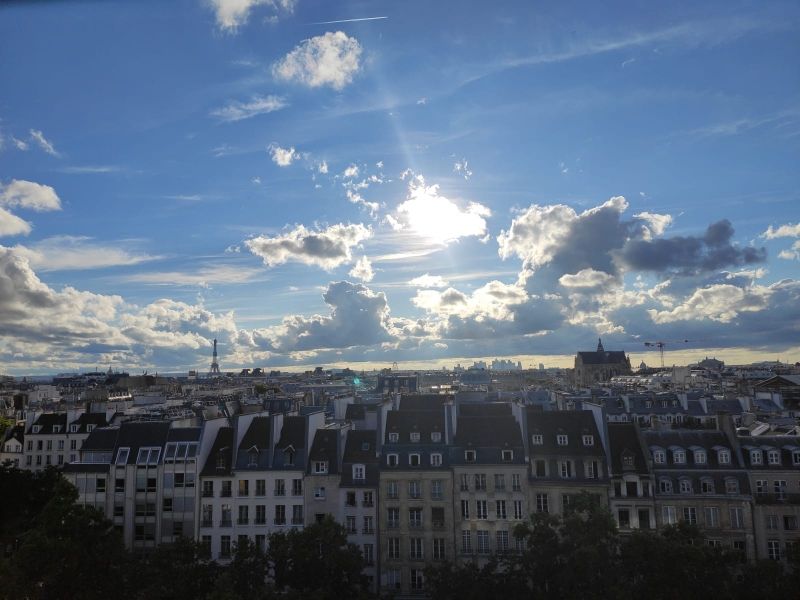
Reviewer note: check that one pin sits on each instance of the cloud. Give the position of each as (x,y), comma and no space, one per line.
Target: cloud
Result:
(322,167)
(462,168)
(20,144)
(65,252)
(435,217)
(721,303)
(231,14)
(11,224)
(428,281)
(586,278)
(257,105)
(203,277)
(27,194)
(690,254)
(90,169)
(657,224)
(787,230)
(326,248)
(362,270)
(791,254)
(351,171)
(332,59)
(38,138)
(283,157)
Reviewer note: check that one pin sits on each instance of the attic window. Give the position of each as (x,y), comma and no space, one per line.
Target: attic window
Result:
(365,446)
(469,456)
(288,457)
(391,460)
(36,429)
(724,457)
(537,439)
(562,439)
(756,458)
(436,436)
(773,457)
(659,457)
(148,456)
(321,467)
(588,440)
(56,428)
(220,460)
(122,455)
(508,455)
(414,460)
(627,461)
(414,436)
(700,457)
(394,437)
(358,472)
(89,428)
(72,428)
(252,458)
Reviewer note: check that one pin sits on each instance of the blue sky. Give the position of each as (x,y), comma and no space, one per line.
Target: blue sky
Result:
(442,181)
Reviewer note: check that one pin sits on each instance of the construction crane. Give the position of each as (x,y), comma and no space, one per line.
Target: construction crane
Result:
(660,345)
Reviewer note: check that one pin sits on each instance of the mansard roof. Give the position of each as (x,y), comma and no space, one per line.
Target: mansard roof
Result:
(418,402)
(574,424)
(424,422)
(623,440)
(258,434)
(488,431)
(325,448)
(223,446)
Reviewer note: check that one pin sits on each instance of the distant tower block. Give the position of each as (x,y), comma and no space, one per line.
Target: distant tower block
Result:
(214,363)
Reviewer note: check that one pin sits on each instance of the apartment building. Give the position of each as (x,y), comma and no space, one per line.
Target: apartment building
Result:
(55,439)
(631,498)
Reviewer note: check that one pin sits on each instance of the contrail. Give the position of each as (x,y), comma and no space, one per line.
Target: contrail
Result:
(349,20)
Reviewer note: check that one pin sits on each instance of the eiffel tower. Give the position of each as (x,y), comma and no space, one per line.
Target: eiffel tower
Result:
(214,364)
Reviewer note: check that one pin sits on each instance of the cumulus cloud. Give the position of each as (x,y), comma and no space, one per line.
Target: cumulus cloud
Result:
(787,230)
(792,254)
(11,224)
(428,281)
(363,270)
(65,252)
(326,248)
(656,224)
(720,302)
(586,278)
(332,59)
(38,138)
(433,216)
(283,157)
(231,14)
(257,105)
(27,194)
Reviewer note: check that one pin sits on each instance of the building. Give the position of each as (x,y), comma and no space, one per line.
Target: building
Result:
(631,493)
(12,445)
(601,365)
(56,438)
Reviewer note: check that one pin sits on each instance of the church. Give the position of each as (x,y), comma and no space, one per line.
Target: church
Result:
(601,365)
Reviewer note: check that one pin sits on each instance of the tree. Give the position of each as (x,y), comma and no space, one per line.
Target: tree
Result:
(317,562)
(177,571)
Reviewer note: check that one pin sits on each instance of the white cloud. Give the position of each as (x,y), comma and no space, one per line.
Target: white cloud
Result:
(351,171)
(90,169)
(257,105)
(462,168)
(20,144)
(332,59)
(326,248)
(12,225)
(363,270)
(791,254)
(492,300)
(587,278)
(27,194)
(283,157)
(38,137)
(435,217)
(428,281)
(422,101)
(787,230)
(231,14)
(719,302)
(203,277)
(656,224)
(322,167)
(65,252)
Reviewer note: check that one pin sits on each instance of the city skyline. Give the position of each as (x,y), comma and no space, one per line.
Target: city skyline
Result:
(369,183)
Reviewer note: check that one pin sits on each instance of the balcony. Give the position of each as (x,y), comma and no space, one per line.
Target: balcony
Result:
(368,530)
(206,493)
(279,521)
(392,524)
(280,492)
(226,523)
(415,524)
(367,504)
(782,498)
(297,520)
(243,521)
(260,521)
(205,523)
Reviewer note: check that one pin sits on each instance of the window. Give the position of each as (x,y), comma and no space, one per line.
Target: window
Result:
(437,517)
(280,487)
(590,469)
(261,514)
(252,458)
(321,467)
(731,486)
(779,485)
(668,515)
(761,486)
(517,509)
(542,503)
(540,467)
(393,547)
(588,440)
(350,524)
(122,455)
(659,457)
(500,507)
(394,437)
(624,518)
(436,460)
(537,439)
(436,489)
(244,487)
(225,546)
(711,514)
(772,521)
(480,482)
(466,541)
(678,457)
(436,436)
(690,515)
(244,516)
(515,483)
(415,518)
(368,499)
(464,482)
(796,457)
(416,549)
(707,486)
(737,520)
(756,458)
(417,580)
(507,455)
(393,517)
(438,549)
(469,456)
(665,486)
(773,457)
(392,490)
(319,492)
(685,486)
(297,487)
(119,510)
(724,457)
(414,436)
(100,484)
(414,460)
(700,457)
(280,514)
(225,520)
(565,467)
(790,522)
(297,514)
(207,515)
(369,554)
(414,489)
(392,460)
(483,542)
(499,481)
(562,440)
(288,457)
(119,484)
(148,456)
(60,444)
(774,549)
(465,509)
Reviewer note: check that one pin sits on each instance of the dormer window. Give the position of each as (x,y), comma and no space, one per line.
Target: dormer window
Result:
(756,458)
(394,437)
(436,436)
(659,457)
(537,439)
(221,460)
(414,436)
(469,456)
(724,457)
(699,457)
(321,467)
(436,460)
(90,428)
(627,461)
(288,457)
(252,458)
(56,428)
(359,472)
(392,460)
(773,457)
(731,486)
(508,455)
(148,456)
(679,457)
(122,456)
(588,440)
(414,460)
(685,486)
(72,428)
(796,458)
(365,447)
(36,429)
(562,440)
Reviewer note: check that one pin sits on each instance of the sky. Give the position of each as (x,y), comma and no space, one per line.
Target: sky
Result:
(328,183)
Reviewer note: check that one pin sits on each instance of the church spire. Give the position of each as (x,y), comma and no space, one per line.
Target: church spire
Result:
(600,345)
